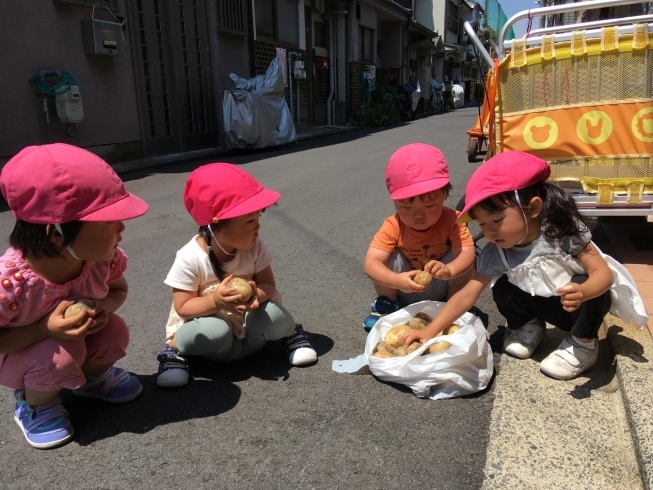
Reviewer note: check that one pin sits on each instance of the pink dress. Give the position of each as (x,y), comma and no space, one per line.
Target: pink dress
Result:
(52,363)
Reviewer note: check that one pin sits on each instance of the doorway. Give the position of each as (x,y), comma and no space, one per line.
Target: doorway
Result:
(172,67)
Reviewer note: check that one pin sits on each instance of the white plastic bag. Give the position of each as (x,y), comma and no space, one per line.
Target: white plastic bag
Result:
(465,368)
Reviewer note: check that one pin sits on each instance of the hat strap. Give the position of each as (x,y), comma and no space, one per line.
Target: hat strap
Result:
(523,214)
(216,241)
(68,247)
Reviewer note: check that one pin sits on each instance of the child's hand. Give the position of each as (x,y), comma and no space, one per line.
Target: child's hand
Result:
(253,303)
(438,270)
(406,284)
(571,296)
(55,325)
(100,317)
(226,298)
(422,336)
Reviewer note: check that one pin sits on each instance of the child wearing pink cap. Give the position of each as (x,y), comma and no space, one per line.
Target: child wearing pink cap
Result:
(542,264)
(208,318)
(422,235)
(69,207)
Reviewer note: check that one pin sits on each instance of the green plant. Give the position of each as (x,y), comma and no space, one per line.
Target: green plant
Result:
(382,108)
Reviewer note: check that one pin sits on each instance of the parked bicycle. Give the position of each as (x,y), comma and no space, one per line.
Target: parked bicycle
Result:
(437,97)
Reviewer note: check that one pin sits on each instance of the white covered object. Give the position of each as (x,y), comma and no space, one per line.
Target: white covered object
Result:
(458,95)
(255,113)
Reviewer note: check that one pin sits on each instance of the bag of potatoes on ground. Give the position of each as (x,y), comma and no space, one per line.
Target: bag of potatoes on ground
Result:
(461,362)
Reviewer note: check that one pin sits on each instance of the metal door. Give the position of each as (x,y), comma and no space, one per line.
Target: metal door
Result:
(171,60)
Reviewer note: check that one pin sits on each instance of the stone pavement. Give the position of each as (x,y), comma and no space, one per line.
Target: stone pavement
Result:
(592,432)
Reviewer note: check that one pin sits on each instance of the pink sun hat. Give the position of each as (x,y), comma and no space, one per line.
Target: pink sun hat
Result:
(58,183)
(508,171)
(221,191)
(415,169)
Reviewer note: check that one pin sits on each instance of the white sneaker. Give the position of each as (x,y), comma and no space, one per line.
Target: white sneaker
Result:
(298,347)
(569,360)
(522,342)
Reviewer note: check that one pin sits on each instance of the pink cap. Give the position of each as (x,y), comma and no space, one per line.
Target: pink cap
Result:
(415,169)
(222,191)
(509,171)
(58,183)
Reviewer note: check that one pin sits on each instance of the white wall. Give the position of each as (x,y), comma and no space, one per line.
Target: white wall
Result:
(424,13)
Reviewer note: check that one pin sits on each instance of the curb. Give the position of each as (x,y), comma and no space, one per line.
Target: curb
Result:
(163,160)
(633,354)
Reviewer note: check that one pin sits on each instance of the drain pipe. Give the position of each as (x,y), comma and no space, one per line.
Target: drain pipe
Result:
(292,113)
(335,45)
(331,73)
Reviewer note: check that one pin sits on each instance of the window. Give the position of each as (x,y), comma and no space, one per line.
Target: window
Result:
(320,34)
(232,16)
(453,19)
(365,42)
(278,20)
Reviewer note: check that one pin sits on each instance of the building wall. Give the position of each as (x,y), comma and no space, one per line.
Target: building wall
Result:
(440,16)
(321,86)
(43,35)
(392,46)
(229,54)
(264,53)
(424,14)
(355,89)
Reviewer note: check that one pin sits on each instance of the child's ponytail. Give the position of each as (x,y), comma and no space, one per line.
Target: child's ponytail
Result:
(560,215)
(215,262)
(35,240)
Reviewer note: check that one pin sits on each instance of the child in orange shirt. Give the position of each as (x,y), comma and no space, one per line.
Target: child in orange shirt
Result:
(422,235)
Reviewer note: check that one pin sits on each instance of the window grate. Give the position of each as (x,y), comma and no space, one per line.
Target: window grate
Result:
(232,16)
(110,4)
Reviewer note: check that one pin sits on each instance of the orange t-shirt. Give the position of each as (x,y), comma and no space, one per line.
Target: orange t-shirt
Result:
(420,247)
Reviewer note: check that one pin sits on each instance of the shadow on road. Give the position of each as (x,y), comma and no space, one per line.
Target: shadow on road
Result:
(211,392)
(95,420)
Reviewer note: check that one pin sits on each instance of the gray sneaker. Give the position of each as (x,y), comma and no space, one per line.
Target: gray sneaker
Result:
(569,359)
(523,341)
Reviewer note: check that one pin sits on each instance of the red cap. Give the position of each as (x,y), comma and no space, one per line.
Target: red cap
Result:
(58,183)
(415,169)
(509,171)
(222,191)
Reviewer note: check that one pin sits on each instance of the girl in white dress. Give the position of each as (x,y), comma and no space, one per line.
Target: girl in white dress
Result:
(542,264)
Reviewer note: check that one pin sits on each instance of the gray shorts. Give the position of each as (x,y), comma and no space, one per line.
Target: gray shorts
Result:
(437,290)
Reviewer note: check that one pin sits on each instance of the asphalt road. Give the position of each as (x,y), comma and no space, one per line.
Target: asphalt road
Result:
(260,423)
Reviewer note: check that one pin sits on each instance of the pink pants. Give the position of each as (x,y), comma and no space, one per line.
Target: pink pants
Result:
(53,364)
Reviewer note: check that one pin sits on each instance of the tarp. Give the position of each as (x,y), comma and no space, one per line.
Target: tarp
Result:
(255,113)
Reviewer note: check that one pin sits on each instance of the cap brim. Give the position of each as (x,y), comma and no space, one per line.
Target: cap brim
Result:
(260,200)
(419,188)
(464,214)
(127,208)
(464,218)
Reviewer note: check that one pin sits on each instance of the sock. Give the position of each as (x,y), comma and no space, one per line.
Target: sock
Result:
(591,345)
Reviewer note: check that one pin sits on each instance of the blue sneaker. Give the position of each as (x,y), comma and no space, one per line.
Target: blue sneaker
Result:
(173,368)
(44,426)
(115,386)
(381,306)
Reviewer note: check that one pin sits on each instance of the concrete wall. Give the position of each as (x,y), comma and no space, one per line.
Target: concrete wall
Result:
(43,35)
